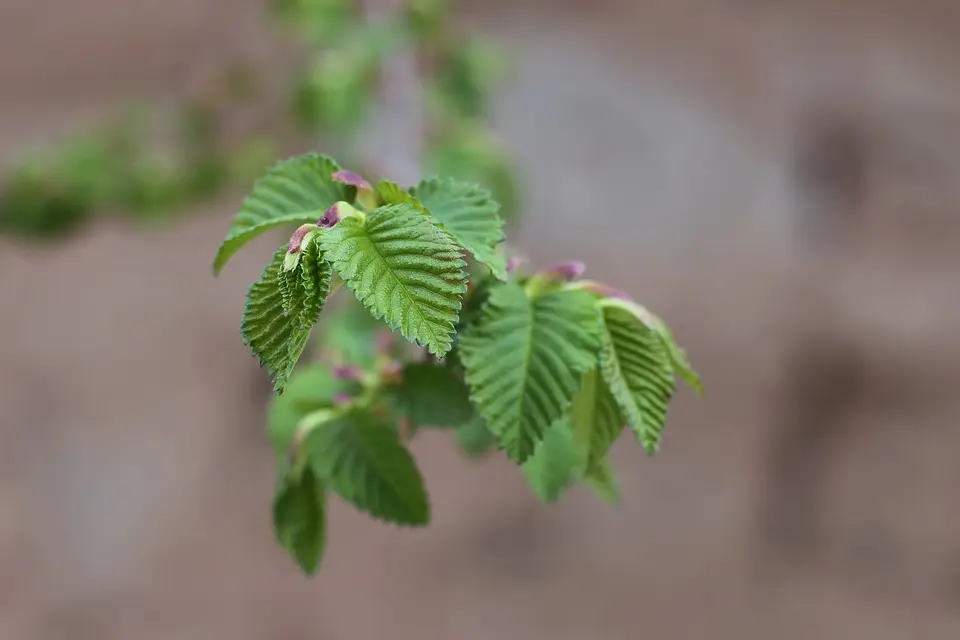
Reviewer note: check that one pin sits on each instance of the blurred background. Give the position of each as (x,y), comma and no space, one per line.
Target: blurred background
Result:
(779,180)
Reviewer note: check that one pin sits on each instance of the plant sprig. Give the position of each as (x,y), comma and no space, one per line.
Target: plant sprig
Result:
(545,365)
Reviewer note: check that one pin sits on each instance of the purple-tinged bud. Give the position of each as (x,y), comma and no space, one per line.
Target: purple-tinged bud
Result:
(296,240)
(513,263)
(342,398)
(347,372)
(565,271)
(330,217)
(338,211)
(391,371)
(352,178)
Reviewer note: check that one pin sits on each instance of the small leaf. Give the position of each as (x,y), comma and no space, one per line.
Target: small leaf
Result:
(469,213)
(299,519)
(362,460)
(594,419)
(309,389)
(677,356)
(404,269)
(279,313)
(602,480)
(432,395)
(636,365)
(474,437)
(524,359)
(296,190)
(555,464)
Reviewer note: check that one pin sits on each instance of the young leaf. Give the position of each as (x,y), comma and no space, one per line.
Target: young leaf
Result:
(677,356)
(273,334)
(524,359)
(636,365)
(555,464)
(404,269)
(299,519)
(469,213)
(297,190)
(362,460)
(310,388)
(432,395)
(594,419)
(602,479)
(474,437)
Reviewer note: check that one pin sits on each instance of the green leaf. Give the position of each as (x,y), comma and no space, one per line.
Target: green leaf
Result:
(309,389)
(555,464)
(299,519)
(677,356)
(469,213)
(276,324)
(524,359)
(602,480)
(404,269)
(297,190)
(362,460)
(351,332)
(595,419)
(637,367)
(474,437)
(432,395)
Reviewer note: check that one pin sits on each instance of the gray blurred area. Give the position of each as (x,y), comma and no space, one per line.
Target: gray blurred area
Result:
(779,180)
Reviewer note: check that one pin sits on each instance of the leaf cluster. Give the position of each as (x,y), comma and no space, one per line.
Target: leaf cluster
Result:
(545,366)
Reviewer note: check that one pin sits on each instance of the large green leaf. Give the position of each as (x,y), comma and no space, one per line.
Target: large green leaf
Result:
(555,464)
(299,519)
(362,460)
(404,269)
(279,314)
(524,358)
(470,214)
(432,395)
(296,190)
(636,365)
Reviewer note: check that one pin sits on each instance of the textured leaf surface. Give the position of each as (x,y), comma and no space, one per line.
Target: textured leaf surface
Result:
(299,519)
(470,214)
(595,419)
(297,190)
(310,388)
(432,395)
(678,357)
(637,367)
(555,464)
(404,269)
(362,460)
(274,331)
(524,359)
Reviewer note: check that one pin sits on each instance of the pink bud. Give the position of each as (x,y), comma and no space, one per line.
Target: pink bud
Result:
(566,271)
(330,217)
(347,372)
(296,240)
(513,263)
(352,178)
(606,291)
(341,398)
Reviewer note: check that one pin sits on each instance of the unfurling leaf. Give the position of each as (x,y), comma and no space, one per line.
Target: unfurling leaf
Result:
(524,359)
(362,460)
(281,309)
(297,190)
(432,395)
(555,464)
(636,365)
(299,519)
(404,269)
(470,214)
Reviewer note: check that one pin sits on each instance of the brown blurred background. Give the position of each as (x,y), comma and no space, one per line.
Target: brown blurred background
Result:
(779,180)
